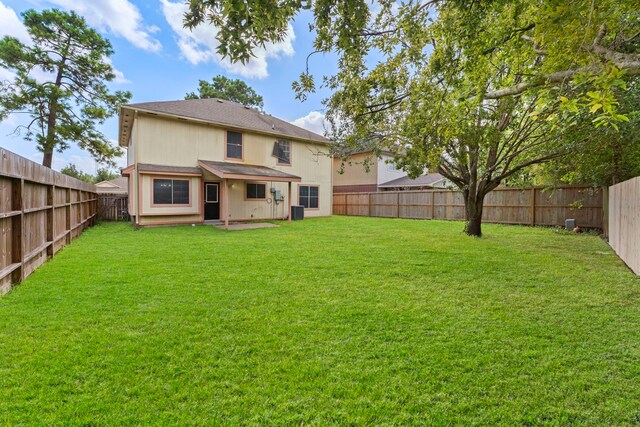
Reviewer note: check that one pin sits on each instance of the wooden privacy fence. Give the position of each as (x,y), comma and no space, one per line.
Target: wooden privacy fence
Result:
(41,210)
(624,221)
(529,206)
(113,207)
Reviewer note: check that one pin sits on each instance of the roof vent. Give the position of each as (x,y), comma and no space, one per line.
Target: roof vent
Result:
(219,100)
(273,127)
(247,107)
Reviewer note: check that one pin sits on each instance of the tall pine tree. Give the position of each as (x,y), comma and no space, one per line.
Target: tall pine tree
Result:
(67,107)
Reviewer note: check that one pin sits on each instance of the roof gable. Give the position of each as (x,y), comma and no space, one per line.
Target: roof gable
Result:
(106,184)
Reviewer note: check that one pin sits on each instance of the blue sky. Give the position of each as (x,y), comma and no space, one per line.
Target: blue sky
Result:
(159,60)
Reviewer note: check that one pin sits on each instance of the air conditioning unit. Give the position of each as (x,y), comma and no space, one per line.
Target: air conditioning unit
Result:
(297,212)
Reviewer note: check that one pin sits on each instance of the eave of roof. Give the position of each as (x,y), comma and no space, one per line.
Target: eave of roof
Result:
(224,170)
(228,170)
(147,168)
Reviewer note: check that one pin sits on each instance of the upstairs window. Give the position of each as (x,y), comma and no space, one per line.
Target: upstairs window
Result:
(282,151)
(234,145)
(308,196)
(256,191)
(170,191)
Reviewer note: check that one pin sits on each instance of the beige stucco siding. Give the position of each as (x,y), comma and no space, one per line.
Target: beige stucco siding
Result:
(133,199)
(355,172)
(131,149)
(163,141)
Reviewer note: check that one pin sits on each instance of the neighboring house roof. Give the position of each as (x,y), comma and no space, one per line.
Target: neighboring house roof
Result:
(219,112)
(116,185)
(120,181)
(238,171)
(426,180)
(106,184)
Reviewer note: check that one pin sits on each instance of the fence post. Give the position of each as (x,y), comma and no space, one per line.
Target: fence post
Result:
(18,229)
(369,204)
(533,205)
(67,214)
(398,203)
(50,213)
(605,210)
(433,204)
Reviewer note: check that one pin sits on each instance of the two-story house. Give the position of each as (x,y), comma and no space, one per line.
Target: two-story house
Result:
(201,160)
(363,172)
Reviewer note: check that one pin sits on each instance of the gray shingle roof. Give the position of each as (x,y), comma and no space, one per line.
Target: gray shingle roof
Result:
(121,181)
(421,181)
(146,167)
(231,114)
(118,185)
(226,169)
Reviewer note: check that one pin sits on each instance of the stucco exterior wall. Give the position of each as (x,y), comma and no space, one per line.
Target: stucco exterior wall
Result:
(354,171)
(164,141)
(131,148)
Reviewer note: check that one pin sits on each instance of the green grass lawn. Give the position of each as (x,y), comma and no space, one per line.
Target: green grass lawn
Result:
(337,321)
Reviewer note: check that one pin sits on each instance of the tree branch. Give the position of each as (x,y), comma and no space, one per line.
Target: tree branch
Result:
(529,163)
(627,61)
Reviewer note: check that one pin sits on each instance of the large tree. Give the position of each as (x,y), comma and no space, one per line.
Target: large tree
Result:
(105,174)
(230,89)
(73,171)
(479,90)
(67,105)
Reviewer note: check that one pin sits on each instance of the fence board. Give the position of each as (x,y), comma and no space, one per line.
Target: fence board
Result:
(113,207)
(34,213)
(528,206)
(624,222)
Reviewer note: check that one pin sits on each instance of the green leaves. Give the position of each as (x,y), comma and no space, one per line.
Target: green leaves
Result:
(65,108)
(244,26)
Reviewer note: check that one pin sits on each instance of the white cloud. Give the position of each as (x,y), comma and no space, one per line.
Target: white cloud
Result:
(199,45)
(119,17)
(11,25)
(120,78)
(83,163)
(314,121)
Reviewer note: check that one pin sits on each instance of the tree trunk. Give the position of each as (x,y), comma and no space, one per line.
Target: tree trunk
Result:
(616,175)
(50,143)
(473,204)
(47,158)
